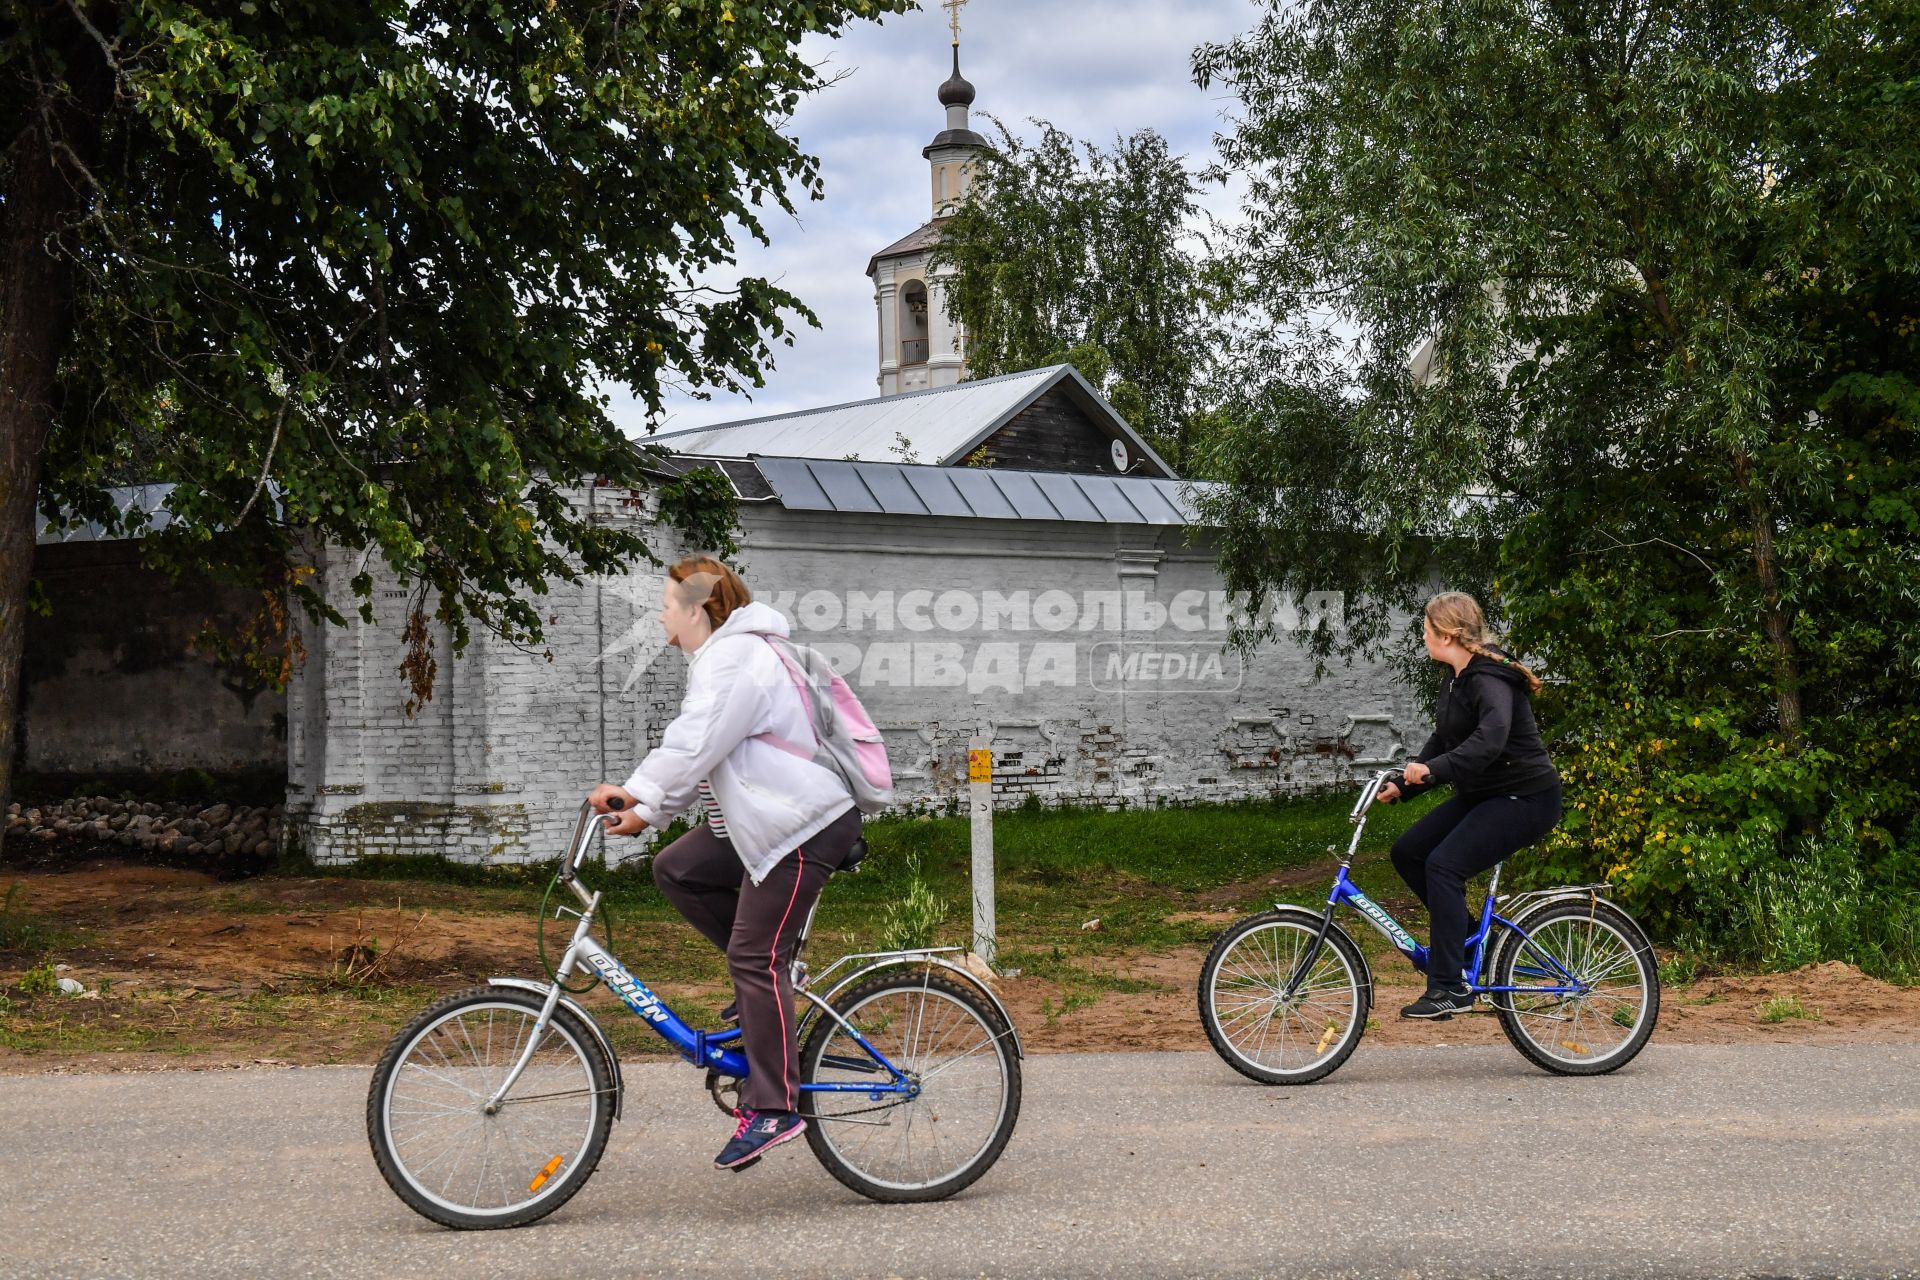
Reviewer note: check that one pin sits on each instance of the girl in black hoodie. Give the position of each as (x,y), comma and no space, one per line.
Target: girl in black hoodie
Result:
(1506,792)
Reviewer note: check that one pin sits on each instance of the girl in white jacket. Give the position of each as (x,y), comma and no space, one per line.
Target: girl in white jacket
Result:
(777,826)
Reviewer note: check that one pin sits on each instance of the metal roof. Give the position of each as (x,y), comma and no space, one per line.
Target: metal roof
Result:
(893,488)
(936,423)
(940,425)
(149,499)
(914,241)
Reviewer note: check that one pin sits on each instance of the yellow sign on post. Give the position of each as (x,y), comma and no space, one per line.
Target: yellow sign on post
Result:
(980,796)
(980,765)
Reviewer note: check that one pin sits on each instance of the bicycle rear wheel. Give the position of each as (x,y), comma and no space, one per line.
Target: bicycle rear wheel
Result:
(1276,1038)
(1609,1022)
(450,1161)
(949,1040)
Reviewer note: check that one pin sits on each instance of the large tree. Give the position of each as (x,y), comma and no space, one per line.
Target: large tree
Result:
(1064,251)
(356,269)
(1613,311)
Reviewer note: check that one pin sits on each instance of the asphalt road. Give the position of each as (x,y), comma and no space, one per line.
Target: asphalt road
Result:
(1737,1161)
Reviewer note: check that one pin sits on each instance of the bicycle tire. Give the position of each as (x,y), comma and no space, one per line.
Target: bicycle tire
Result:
(1274,956)
(1625,944)
(560,1184)
(829,1048)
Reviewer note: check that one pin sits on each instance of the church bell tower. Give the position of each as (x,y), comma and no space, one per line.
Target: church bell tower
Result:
(919,346)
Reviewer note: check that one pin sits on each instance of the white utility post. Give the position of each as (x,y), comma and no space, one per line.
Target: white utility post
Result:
(980,787)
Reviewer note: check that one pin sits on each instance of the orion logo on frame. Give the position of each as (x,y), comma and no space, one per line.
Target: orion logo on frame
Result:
(643,1001)
(1382,921)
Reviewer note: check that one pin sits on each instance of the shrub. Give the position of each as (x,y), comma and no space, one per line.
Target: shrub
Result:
(39,981)
(911,920)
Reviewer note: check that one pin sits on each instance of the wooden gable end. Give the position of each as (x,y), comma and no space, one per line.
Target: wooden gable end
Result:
(1051,434)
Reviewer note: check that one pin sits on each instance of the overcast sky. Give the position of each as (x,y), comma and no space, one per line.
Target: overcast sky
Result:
(1094,69)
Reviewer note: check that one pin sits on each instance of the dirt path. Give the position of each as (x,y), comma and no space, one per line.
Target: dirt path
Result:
(186,971)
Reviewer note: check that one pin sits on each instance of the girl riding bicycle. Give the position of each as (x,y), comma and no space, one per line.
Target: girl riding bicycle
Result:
(1506,791)
(776,826)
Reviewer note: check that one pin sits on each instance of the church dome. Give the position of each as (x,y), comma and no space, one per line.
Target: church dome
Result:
(958,90)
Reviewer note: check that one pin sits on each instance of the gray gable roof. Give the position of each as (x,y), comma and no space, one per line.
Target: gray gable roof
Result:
(941,425)
(919,240)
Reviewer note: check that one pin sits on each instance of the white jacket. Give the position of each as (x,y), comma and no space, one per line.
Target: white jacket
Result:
(737,687)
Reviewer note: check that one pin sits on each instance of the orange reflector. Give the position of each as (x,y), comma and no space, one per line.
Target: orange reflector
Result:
(1327,1039)
(1577,1048)
(540,1179)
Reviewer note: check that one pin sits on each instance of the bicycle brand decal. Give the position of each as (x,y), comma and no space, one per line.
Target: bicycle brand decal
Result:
(1377,916)
(629,989)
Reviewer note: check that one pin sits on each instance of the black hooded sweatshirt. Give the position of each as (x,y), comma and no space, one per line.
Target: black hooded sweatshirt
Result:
(1485,741)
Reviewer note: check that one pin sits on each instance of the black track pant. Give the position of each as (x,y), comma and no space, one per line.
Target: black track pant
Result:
(1455,841)
(756,925)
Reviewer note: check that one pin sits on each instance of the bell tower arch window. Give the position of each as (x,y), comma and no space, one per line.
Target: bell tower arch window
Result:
(913,322)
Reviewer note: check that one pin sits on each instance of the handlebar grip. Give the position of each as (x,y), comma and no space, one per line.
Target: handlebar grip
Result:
(615,802)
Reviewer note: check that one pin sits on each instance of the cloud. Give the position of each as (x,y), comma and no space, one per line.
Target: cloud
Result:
(1095,70)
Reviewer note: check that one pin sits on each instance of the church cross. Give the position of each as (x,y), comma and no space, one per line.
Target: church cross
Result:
(953,8)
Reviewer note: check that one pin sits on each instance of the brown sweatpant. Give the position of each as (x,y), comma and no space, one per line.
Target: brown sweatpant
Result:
(756,925)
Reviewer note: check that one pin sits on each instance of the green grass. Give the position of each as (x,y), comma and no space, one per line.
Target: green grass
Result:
(1068,1003)
(39,981)
(65,1035)
(1781,1008)
(1055,869)
(1056,966)
(25,932)
(1679,969)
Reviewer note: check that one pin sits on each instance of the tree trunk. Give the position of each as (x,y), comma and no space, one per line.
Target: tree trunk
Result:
(1786,656)
(1760,521)
(47,190)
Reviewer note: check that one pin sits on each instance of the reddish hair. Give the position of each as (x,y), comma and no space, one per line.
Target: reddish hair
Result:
(711,584)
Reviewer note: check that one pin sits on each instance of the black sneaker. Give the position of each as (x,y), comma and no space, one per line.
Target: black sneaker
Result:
(1440,1003)
(731,1013)
(757,1133)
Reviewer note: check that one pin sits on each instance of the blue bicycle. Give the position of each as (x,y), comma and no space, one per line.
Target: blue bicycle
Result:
(1285,993)
(492,1108)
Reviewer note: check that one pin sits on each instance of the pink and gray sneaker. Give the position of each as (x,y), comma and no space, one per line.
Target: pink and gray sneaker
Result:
(757,1133)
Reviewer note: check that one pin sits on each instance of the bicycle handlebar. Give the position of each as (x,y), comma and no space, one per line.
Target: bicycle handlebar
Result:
(582,837)
(1372,788)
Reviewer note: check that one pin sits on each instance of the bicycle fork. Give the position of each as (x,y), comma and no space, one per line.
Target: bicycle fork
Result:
(560,972)
(1359,820)
(1312,953)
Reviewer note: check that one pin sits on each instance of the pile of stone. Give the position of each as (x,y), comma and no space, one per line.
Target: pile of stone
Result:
(173,830)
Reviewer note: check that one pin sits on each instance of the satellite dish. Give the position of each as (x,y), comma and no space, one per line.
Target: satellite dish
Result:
(1119,455)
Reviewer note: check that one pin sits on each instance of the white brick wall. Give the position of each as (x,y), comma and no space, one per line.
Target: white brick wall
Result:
(493,767)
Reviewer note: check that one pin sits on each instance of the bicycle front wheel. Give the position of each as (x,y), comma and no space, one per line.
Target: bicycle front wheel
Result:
(1601,1026)
(1263,1030)
(953,1045)
(437,1147)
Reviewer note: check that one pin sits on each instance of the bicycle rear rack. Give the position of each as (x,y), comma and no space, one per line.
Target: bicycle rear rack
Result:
(1601,889)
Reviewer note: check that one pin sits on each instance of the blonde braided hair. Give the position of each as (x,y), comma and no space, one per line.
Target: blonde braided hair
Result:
(1457,616)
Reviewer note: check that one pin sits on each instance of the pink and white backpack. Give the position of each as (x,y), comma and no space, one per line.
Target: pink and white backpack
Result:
(846,740)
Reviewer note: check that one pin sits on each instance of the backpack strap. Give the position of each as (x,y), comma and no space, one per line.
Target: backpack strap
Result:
(806,701)
(791,748)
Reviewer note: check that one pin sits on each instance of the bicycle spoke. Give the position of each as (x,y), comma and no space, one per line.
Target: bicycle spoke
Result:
(959,1065)
(444,1144)
(1248,1013)
(1595,1022)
